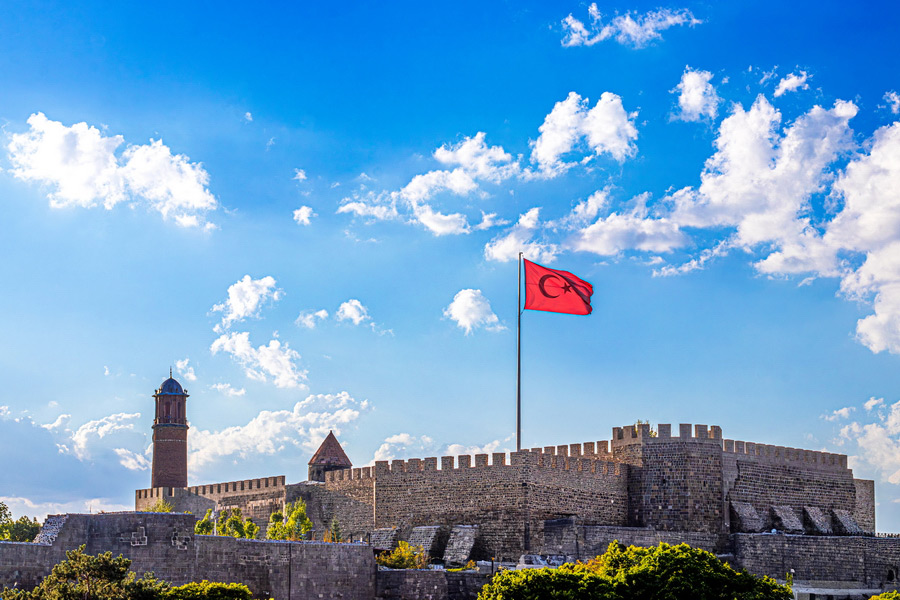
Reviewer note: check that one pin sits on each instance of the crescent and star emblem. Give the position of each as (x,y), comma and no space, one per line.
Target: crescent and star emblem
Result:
(566,288)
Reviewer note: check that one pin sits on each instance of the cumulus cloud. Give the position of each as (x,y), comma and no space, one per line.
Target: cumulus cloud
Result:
(572,125)
(25,506)
(878,442)
(697,98)
(403,445)
(352,310)
(631,29)
(370,206)
(183,367)
(82,167)
(873,402)
(490,447)
(248,117)
(245,298)
(91,431)
(792,83)
(299,175)
(310,319)
(893,101)
(841,413)
(303,214)
(60,422)
(272,431)
(275,360)
(132,460)
(520,238)
(471,310)
(227,389)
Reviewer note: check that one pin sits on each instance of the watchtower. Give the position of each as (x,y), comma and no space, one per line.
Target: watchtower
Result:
(329,457)
(170,430)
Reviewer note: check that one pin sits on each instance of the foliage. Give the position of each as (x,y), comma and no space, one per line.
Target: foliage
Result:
(664,573)
(230,522)
(160,506)
(205,526)
(22,529)
(209,590)
(639,422)
(470,566)
(295,527)
(893,595)
(334,531)
(84,577)
(404,556)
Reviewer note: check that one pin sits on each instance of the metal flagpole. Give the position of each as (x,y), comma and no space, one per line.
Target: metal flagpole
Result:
(519,361)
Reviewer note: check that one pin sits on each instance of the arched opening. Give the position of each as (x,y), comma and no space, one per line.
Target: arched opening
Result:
(891,575)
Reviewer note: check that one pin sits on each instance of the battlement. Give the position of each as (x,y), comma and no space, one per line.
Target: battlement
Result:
(246,486)
(566,458)
(785,455)
(641,434)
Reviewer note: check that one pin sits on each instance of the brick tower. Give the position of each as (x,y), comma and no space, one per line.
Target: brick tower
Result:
(170,429)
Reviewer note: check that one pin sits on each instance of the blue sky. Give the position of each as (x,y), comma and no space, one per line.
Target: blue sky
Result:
(312,215)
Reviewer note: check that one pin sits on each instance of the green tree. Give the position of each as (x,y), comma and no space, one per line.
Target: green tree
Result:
(22,529)
(294,527)
(84,577)
(405,556)
(334,531)
(205,526)
(160,506)
(231,523)
(664,573)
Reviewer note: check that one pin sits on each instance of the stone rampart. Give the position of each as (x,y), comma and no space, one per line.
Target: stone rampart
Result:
(164,543)
(429,585)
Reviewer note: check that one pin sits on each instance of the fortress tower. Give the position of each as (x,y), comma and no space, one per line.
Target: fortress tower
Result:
(170,430)
(329,457)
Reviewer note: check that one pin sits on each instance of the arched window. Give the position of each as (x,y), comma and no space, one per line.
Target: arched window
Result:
(891,576)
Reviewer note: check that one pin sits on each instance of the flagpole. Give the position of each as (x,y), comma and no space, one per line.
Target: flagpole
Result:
(519,361)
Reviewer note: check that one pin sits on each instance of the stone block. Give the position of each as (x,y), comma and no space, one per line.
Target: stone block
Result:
(745,519)
(785,518)
(432,538)
(384,539)
(460,545)
(844,523)
(816,521)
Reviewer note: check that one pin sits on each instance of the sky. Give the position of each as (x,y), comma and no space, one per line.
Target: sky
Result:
(312,215)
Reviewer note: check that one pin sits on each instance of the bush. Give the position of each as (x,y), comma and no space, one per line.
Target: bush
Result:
(633,573)
(887,596)
(210,590)
(295,527)
(160,506)
(403,556)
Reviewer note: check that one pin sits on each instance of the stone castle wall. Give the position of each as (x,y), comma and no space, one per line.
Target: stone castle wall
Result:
(164,543)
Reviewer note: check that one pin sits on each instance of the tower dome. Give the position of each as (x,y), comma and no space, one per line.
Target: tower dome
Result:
(170,387)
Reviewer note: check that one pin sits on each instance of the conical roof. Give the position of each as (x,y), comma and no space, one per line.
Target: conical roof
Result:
(331,454)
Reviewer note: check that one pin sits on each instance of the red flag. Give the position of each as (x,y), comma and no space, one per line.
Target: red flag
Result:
(556,291)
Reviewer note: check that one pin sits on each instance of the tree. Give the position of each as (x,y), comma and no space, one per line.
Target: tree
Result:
(84,577)
(22,529)
(334,531)
(405,556)
(294,527)
(664,572)
(205,525)
(160,506)
(230,522)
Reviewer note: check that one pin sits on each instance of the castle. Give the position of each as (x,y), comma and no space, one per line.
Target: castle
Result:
(770,509)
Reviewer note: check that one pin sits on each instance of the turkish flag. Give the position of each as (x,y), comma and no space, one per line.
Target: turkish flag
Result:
(556,291)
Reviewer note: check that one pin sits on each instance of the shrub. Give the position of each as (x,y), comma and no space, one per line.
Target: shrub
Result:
(887,596)
(210,590)
(663,573)
(404,556)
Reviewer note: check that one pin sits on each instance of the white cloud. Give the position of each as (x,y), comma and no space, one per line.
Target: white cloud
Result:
(85,435)
(227,389)
(616,233)
(697,98)
(893,100)
(274,360)
(245,298)
(132,460)
(631,29)
(841,413)
(471,310)
(183,367)
(873,402)
(40,510)
(369,205)
(303,214)
(506,247)
(309,318)
(878,442)
(791,83)
(490,447)
(352,310)
(248,117)
(299,175)
(81,168)
(403,445)
(303,427)
(60,422)
(571,125)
